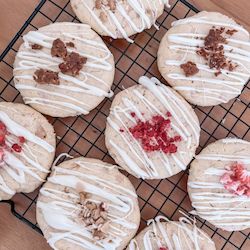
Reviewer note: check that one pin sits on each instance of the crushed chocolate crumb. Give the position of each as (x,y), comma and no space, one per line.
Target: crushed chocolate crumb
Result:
(213,38)
(36,46)
(231,32)
(94,216)
(103,17)
(213,50)
(189,68)
(70,44)
(111,4)
(72,64)
(58,48)
(98,4)
(43,76)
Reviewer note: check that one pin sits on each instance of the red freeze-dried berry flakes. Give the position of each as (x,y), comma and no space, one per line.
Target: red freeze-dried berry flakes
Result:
(163,248)
(132,114)
(17,148)
(2,140)
(2,127)
(153,134)
(236,180)
(21,139)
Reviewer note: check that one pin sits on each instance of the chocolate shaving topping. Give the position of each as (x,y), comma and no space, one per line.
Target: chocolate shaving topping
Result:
(213,50)
(72,64)
(36,46)
(189,68)
(58,48)
(70,44)
(43,76)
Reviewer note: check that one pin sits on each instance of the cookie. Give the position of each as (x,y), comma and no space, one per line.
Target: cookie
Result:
(162,234)
(206,58)
(151,132)
(27,149)
(88,204)
(219,184)
(119,18)
(64,69)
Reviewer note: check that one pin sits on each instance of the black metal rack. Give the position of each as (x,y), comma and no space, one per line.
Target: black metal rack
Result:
(84,135)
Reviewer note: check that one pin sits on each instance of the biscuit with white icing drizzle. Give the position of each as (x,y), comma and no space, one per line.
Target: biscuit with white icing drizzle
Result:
(88,204)
(163,234)
(27,149)
(215,82)
(70,91)
(219,184)
(119,18)
(152,132)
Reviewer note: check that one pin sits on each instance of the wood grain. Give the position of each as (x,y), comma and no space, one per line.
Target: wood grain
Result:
(13,13)
(16,235)
(239,10)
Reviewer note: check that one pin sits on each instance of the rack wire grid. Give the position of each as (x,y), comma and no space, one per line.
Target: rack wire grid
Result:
(84,135)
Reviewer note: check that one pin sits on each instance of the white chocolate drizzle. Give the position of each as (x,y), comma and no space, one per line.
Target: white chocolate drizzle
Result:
(133,154)
(61,213)
(186,235)
(18,165)
(211,200)
(138,6)
(61,97)
(211,87)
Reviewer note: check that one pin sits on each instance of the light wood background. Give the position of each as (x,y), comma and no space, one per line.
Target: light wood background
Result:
(15,235)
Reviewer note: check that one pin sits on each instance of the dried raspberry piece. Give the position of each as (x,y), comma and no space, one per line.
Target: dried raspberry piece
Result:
(21,139)
(1,155)
(2,140)
(153,134)
(163,248)
(17,148)
(2,127)
(132,114)
(236,180)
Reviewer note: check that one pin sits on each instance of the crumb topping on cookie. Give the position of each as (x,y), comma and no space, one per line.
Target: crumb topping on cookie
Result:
(94,216)
(189,68)
(43,76)
(231,32)
(154,134)
(111,4)
(36,46)
(70,44)
(58,48)
(213,50)
(16,146)
(236,180)
(72,64)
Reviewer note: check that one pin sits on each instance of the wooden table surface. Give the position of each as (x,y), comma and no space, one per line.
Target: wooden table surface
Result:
(15,235)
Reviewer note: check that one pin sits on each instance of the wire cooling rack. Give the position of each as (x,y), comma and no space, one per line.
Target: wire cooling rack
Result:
(84,135)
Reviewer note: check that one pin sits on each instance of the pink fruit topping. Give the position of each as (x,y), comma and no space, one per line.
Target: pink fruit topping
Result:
(17,147)
(236,180)
(154,134)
